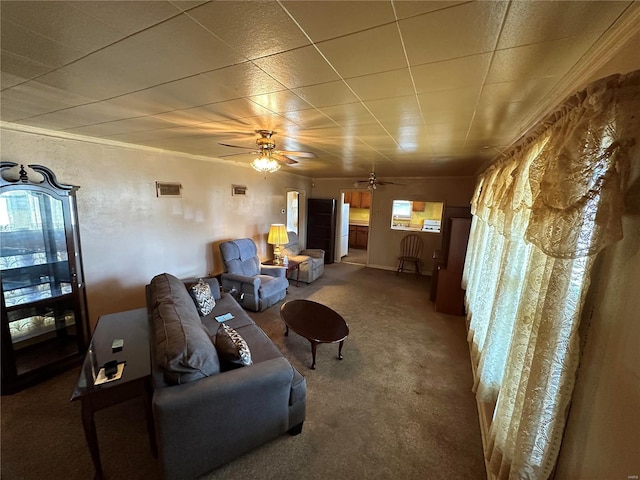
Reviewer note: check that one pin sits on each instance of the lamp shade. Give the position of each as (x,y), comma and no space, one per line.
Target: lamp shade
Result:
(278,234)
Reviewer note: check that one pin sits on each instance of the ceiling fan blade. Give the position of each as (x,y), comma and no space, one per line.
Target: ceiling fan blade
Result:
(297,154)
(236,146)
(283,158)
(238,154)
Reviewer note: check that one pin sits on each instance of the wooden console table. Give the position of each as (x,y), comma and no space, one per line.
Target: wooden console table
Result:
(131,326)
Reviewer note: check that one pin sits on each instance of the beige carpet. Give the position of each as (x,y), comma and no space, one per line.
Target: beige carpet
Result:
(398,406)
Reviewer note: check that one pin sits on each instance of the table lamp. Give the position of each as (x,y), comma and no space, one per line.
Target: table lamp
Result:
(277,236)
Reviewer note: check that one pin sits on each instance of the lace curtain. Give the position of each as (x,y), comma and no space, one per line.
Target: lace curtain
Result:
(539,218)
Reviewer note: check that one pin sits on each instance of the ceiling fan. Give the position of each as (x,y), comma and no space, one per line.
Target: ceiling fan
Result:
(372,182)
(267,148)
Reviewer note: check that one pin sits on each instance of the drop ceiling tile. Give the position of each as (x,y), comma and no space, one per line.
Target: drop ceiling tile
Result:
(547,59)
(327,94)
(183,47)
(128,17)
(525,91)
(394,83)
(450,74)
(27,44)
(322,20)
(187,4)
(52,19)
(310,118)
(246,79)
(90,114)
(192,92)
(20,67)
(412,8)
(235,24)
(140,124)
(129,65)
(448,102)
(221,111)
(398,110)
(280,102)
(349,115)
(9,80)
(38,98)
(533,22)
(298,68)
(466,29)
(371,51)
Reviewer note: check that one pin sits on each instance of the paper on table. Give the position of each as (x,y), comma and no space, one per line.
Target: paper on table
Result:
(224,318)
(102,378)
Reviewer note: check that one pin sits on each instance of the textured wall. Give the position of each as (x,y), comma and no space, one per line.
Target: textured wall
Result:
(129,235)
(384,243)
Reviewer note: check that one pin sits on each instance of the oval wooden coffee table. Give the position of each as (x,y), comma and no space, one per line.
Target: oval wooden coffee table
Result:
(315,322)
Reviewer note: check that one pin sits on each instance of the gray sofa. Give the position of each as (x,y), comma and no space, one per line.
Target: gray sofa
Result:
(255,286)
(311,259)
(206,413)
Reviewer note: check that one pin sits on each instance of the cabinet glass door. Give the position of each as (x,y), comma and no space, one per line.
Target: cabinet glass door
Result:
(36,278)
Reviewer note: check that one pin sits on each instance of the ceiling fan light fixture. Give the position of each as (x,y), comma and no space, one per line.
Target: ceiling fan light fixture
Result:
(265,164)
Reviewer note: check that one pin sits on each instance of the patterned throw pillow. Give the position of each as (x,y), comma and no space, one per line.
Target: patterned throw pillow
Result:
(233,350)
(201,293)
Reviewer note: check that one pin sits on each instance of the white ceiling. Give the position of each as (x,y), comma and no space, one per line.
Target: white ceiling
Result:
(409,88)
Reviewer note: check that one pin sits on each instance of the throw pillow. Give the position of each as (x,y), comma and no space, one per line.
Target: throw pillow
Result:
(201,293)
(233,350)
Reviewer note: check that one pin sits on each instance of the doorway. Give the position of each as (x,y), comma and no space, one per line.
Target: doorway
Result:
(293,211)
(354,233)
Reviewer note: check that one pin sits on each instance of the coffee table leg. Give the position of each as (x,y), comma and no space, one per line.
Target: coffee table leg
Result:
(340,357)
(286,331)
(314,347)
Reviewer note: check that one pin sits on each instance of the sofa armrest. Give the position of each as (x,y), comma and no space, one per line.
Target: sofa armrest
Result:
(313,252)
(273,270)
(206,423)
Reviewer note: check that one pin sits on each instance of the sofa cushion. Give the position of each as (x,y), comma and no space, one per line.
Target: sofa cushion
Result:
(183,348)
(203,298)
(232,349)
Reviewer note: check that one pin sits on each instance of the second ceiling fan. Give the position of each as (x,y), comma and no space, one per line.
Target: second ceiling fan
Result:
(372,182)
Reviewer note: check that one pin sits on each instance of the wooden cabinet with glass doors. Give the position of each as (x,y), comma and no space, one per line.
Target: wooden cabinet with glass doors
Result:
(44,318)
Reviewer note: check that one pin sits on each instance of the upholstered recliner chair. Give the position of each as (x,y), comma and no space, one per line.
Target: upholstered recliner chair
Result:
(311,259)
(255,286)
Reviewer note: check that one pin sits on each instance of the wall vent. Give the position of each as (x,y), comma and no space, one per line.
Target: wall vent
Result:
(238,189)
(165,189)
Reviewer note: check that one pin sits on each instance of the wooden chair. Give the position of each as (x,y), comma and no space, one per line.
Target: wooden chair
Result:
(410,247)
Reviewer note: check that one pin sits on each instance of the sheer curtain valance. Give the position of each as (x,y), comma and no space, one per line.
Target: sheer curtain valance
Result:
(541,215)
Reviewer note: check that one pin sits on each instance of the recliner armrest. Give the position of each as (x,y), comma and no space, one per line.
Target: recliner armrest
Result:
(313,252)
(273,270)
(255,281)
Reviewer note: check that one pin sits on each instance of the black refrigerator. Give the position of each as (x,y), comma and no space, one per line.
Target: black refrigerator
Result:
(321,226)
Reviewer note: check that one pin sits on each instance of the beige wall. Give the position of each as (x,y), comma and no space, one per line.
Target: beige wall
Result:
(129,235)
(602,439)
(384,243)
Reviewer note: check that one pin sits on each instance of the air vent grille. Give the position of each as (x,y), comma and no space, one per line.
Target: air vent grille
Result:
(165,189)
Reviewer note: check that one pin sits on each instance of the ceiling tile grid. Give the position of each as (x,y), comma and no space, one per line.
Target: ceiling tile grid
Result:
(410,88)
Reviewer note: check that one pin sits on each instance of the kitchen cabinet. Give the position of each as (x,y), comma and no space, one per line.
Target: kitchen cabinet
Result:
(44,309)
(358,199)
(419,206)
(358,236)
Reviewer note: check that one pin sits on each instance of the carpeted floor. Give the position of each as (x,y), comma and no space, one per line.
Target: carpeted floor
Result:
(399,406)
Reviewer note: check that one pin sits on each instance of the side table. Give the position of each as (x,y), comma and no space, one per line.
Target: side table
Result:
(131,326)
(293,265)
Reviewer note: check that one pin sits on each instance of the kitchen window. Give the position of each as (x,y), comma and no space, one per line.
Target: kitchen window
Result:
(417,216)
